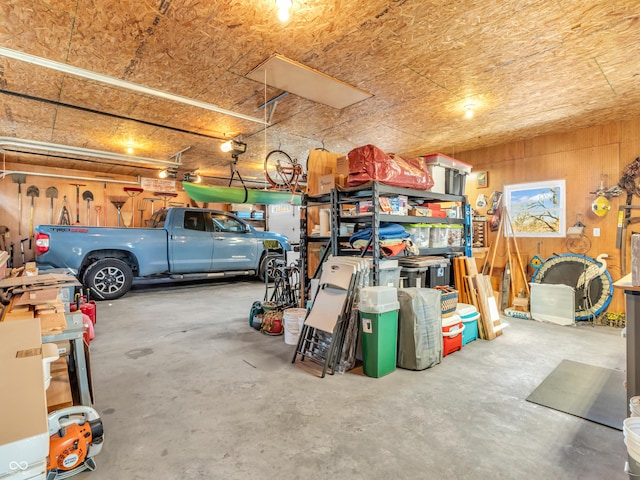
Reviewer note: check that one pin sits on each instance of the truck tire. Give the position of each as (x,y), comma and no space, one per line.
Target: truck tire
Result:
(108,278)
(268,266)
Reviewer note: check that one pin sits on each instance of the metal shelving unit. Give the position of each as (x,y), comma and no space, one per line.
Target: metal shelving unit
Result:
(372,192)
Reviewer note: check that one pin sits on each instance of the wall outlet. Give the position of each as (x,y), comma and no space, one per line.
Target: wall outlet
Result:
(596,232)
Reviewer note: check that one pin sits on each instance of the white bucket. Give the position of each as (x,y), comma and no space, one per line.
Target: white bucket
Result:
(634,406)
(293,322)
(631,430)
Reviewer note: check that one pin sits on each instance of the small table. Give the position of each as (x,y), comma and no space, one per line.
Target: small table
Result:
(75,334)
(632,315)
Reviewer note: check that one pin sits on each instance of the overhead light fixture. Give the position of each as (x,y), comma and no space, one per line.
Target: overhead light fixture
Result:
(283,9)
(236,147)
(193,177)
(168,173)
(468,110)
(26,146)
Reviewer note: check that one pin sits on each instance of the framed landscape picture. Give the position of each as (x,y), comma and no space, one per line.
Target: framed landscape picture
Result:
(482,179)
(536,209)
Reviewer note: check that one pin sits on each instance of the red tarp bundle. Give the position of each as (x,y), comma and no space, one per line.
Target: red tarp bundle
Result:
(369,163)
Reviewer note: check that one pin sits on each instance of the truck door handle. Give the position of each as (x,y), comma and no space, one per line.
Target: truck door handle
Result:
(218,238)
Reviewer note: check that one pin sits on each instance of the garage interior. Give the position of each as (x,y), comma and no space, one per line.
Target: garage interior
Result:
(127,102)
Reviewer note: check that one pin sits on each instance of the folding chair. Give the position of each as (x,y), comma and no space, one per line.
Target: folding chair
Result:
(323,329)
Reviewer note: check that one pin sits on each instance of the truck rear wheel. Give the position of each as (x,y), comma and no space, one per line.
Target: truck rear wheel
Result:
(108,278)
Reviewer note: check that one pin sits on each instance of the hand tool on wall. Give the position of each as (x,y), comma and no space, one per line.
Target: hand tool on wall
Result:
(4,240)
(78,185)
(52,192)
(19,178)
(88,196)
(151,199)
(142,206)
(98,210)
(65,218)
(133,192)
(22,251)
(118,202)
(32,192)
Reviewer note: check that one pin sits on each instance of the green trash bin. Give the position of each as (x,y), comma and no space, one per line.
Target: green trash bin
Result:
(379,330)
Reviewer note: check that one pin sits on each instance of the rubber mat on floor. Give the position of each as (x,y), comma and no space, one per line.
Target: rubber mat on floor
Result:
(593,393)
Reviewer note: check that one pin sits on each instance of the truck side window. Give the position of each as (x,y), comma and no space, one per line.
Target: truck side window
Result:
(194,221)
(224,223)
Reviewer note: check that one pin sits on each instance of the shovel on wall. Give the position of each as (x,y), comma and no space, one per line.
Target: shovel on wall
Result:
(88,196)
(52,192)
(19,178)
(32,192)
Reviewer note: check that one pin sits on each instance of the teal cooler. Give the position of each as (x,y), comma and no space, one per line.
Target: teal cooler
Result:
(379,329)
(470,317)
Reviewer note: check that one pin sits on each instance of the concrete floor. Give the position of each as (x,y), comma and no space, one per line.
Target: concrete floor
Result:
(187,390)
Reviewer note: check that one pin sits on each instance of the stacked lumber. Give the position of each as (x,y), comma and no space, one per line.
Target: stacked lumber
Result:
(475,289)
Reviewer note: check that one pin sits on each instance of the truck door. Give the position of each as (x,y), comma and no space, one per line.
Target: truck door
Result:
(234,245)
(191,243)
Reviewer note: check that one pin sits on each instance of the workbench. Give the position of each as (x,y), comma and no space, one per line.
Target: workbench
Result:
(74,333)
(632,315)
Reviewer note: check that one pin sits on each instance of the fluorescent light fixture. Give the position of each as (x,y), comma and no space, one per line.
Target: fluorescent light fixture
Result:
(293,77)
(116,82)
(112,157)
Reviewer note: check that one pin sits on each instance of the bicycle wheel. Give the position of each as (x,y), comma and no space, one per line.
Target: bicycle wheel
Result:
(279,169)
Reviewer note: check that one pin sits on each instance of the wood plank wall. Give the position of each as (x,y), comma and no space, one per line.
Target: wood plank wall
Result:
(580,158)
(42,205)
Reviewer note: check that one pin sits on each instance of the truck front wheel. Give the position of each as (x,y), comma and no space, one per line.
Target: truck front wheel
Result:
(108,278)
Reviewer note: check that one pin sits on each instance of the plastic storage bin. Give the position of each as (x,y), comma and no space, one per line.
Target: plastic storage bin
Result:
(414,276)
(370,297)
(379,327)
(389,277)
(452,329)
(470,317)
(439,236)
(455,235)
(419,234)
(438,274)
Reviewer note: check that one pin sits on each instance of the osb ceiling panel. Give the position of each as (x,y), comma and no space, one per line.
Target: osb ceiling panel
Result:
(528,67)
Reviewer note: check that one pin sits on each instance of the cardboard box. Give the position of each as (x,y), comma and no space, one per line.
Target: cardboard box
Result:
(342,171)
(420,212)
(326,183)
(24,413)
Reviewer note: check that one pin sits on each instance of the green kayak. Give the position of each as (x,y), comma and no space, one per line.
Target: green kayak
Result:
(217,194)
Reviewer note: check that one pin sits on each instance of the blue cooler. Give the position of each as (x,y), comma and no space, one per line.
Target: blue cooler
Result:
(470,317)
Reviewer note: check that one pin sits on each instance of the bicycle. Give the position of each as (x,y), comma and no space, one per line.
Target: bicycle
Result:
(282,172)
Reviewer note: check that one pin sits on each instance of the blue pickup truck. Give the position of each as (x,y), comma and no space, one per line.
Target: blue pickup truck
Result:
(178,243)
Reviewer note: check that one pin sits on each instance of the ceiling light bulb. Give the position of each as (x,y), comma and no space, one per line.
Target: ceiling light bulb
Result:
(226,146)
(163,174)
(283,9)
(198,178)
(468,111)
(130,150)
(283,15)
